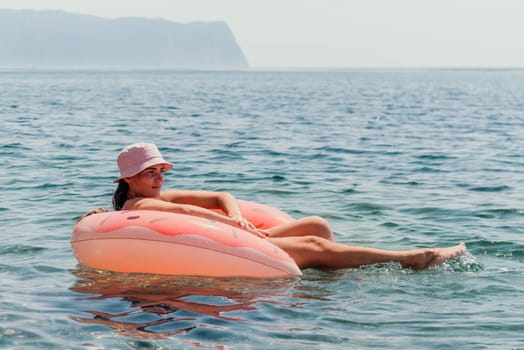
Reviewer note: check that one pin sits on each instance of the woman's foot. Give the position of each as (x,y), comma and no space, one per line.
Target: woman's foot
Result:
(424,258)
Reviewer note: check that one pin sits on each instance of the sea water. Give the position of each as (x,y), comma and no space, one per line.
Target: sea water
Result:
(394,159)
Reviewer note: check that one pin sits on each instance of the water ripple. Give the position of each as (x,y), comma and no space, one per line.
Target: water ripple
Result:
(393,159)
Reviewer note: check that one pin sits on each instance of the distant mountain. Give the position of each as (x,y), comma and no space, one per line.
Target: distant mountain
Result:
(56,39)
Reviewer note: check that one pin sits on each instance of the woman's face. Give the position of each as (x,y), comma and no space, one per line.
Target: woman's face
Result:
(148,182)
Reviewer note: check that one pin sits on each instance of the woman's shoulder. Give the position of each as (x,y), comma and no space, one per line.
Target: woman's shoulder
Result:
(131,203)
(143,203)
(169,195)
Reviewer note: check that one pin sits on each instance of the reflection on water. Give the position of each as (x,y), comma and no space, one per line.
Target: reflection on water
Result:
(156,307)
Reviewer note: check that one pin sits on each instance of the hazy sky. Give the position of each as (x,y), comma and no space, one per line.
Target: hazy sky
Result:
(342,33)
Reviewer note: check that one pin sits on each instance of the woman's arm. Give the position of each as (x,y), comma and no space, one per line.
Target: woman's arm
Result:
(210,200)
(187,209)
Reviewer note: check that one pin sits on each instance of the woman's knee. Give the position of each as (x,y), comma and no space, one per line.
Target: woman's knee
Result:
(319,227)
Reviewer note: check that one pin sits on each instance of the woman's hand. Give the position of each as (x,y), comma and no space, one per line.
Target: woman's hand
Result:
(259,233)
(242,222)
(94,211)
(263,233)
(249,227)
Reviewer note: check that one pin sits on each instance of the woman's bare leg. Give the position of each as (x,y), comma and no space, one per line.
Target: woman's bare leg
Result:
(308,226)
(312,251)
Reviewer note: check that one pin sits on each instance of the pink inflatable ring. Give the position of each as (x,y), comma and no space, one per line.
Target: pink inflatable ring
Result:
(156,242)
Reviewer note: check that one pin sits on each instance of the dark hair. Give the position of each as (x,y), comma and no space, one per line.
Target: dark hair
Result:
(120,195)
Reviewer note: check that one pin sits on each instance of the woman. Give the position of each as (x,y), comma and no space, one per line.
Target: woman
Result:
(309,241)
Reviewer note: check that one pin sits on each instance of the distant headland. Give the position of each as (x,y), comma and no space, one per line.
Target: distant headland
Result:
(57,39)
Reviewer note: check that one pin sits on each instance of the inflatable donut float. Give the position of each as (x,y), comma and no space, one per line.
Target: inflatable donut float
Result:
(156,242)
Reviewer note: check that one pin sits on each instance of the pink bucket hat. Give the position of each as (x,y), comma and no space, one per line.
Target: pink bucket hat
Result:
(137,157)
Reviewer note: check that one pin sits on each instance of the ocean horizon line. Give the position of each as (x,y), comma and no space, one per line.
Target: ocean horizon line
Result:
(9,69)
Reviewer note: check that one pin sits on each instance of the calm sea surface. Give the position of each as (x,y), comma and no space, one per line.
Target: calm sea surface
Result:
(393,159)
